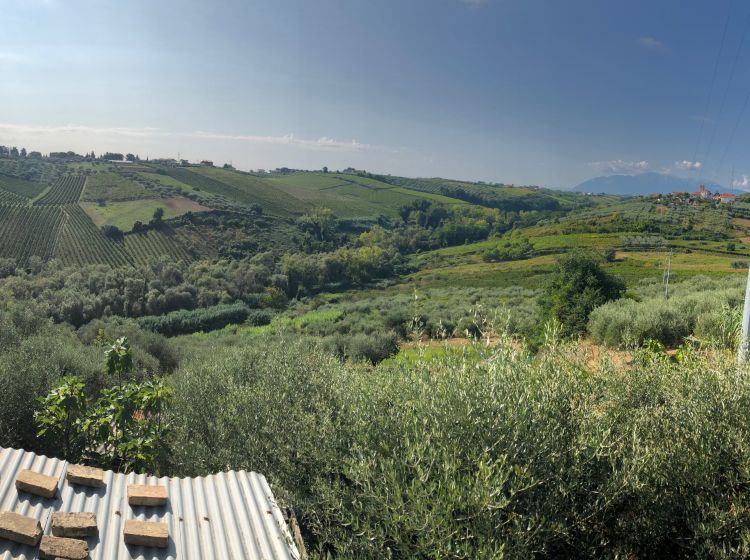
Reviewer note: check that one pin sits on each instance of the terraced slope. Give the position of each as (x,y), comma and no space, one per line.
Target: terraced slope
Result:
(141,247)
(81,242)
(66,190)
(27,231)
(8,197)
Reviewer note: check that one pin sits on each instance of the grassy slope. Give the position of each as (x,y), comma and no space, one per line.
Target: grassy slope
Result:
(350,196)
(112,187)
(243,189)
(168,181)
(21,187)
(125,213)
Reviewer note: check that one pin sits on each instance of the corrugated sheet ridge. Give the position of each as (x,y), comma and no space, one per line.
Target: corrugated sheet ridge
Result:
(222,516)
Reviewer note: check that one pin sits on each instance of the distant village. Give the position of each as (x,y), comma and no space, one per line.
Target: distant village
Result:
(701,194)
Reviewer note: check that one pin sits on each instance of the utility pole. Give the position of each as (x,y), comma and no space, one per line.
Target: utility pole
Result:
(744,347)
(667,270)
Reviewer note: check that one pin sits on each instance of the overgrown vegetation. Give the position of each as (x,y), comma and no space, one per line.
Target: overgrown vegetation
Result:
(481,453)
(406,360)
(704,308)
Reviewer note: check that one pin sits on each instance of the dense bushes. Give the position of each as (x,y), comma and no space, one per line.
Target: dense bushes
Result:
(207,319)
(432,313)
(479,452)
(482,454)
(77,295)
(577,287)
(699,307)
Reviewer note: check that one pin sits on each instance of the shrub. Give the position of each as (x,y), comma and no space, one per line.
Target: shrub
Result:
(482,453)
(700,307)
(204,319)
(113,232)
(577,287)
(34,356)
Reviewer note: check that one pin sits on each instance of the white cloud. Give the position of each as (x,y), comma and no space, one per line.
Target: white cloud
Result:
(67,131)
(323,143)
(686,165)
(32,130)
(650,43)
(742,183)
(620,167)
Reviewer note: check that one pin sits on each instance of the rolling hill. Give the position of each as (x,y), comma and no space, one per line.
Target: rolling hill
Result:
(100,212)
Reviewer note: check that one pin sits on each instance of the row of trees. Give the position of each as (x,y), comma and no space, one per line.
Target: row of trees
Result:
(15,152)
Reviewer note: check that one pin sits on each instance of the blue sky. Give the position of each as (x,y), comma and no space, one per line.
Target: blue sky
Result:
(546,92)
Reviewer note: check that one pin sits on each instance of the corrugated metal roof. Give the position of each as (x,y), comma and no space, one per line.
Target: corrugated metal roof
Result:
(231,515)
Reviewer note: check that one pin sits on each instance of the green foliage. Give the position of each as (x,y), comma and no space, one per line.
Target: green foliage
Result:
(509,251)
(212,318)
(482,453)
(124,429)
(320,223)
(60,415)
(113,232)
(118,358)
(34,356)
(127,427)
(577,287)
(29,231)
(152,353)
(706,309)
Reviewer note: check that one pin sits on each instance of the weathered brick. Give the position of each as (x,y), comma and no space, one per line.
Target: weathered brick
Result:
(74,525)
(146,533)
(19,528)
(85,476)
(37,483)
(60,547)
(143,495)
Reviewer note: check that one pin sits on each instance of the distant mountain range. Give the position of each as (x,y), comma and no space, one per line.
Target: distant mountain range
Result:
(644,184)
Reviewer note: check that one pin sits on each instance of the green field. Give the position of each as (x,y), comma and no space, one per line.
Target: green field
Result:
(27,231)
(82,242)
(237,189)
(170,182)
(109,186)
(154,244)
(20,187)
(125,213)
(350,196)
(66,190)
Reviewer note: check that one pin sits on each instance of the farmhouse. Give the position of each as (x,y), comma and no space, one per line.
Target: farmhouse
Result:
(226,515)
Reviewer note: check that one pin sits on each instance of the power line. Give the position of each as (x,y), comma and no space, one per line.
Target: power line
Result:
(734,131)
(729,83)
(713,81)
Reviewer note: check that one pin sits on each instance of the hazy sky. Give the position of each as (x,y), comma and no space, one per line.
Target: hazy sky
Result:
(547,92)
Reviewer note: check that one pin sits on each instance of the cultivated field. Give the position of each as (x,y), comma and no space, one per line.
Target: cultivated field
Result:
(66,190)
